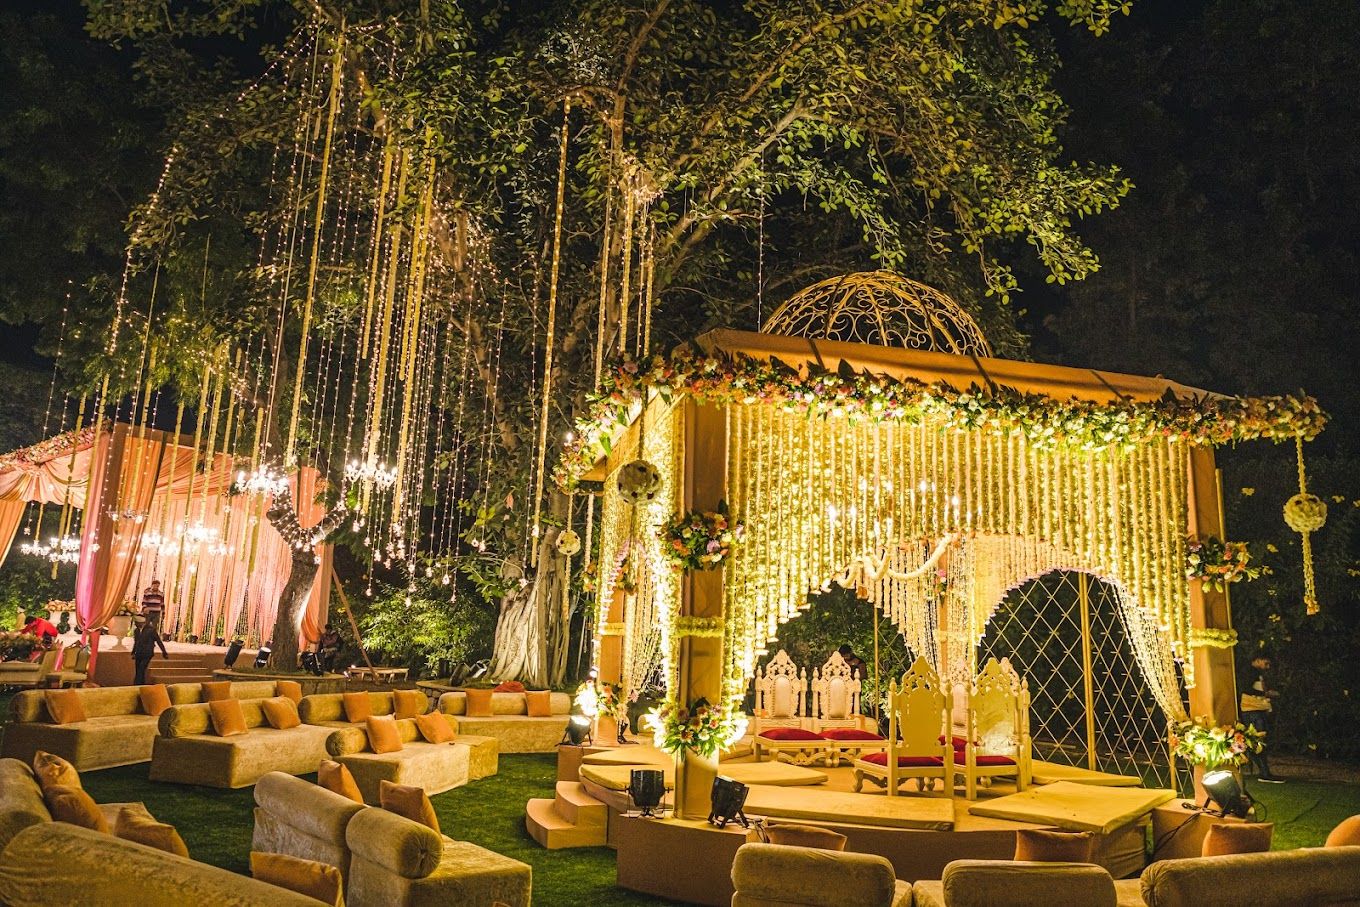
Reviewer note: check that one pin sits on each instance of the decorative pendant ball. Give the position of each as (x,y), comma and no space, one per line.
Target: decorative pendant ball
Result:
(1305,513)
(568,543)
(639,482)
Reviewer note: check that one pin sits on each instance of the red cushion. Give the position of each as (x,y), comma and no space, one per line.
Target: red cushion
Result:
(789,733)
(904,761)
(958,742)
(849,733)
(995,760)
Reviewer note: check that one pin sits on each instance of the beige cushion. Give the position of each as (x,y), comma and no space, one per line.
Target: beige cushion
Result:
(984,883)
(1237,837)
(802,836)
(50,769)
(137,825)
(1039,845)
(306,877)
(780,874)
(1281,878)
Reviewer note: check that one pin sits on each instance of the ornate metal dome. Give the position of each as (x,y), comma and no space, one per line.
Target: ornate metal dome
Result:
(881,308)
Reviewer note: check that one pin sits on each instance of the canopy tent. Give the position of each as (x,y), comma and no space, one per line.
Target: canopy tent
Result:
(155,508)
(873,466)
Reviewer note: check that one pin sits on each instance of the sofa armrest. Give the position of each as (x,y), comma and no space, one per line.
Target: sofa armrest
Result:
(395,843)
(974,883)
(777,872)
(307,807)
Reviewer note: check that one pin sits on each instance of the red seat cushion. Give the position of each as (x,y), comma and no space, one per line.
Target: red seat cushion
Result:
(849,733)
(958,742)
(905,761)
(789,733)
(995,760)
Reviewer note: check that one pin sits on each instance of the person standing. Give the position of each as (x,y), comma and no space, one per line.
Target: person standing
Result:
(853,661)
(1258,711)
(153,601)
(145,639)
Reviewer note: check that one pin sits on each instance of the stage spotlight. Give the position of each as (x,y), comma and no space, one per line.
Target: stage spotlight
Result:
(647,787)
(577,732)
(729,798)
(220,641)
(1227,794)
(311,664)
(233,652)
(262,656)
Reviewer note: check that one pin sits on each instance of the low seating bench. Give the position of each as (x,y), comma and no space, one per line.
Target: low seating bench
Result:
(434,767)
(188,752)
(510,723)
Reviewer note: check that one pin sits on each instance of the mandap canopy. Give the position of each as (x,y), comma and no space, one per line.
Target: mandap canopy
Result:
(931,482)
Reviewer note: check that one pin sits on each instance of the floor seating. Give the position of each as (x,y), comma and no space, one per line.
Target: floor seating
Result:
(188,751)
(777,875)
(974,883)
(996,741)
(117,731)
(510,723)
(22,805)
(328,709)
(302,819)
(434,767)
(919,745)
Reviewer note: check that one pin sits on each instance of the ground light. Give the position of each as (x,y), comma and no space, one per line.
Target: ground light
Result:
(729,798)
(262,656)
(647,788)
(1227,794)
(577,732)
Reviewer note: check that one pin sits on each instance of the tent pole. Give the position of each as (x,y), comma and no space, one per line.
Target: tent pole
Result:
(353,624)
(1084,599)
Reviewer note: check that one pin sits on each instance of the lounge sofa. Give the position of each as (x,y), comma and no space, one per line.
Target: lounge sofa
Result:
(54,864)
(328,709)
(22,805)
(509,721)
(973,883)
(435,767)
(779,875)
(116,731)
(187,751)
(302,819)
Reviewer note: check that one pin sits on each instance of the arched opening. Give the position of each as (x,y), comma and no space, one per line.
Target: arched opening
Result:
(1090,705)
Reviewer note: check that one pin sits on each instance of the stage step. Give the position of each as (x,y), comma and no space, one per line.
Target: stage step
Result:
(547,826)
(578,807)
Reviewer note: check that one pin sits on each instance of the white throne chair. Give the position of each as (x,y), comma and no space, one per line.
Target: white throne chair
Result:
(917,746)
(996,742)
(780,723)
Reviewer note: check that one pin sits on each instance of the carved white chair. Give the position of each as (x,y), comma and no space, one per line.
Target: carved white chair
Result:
(779,726)
(918,736)
(997,741)
(836,711)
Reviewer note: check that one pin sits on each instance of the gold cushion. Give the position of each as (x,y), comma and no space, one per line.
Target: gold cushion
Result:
(337,779)
(290,688)
(409,703)
(383,736)
(1037,845)
(227,717)
(155,698)
(358,707)
(281,712)
(411,802)
(307,877)
(538,703)
(1237,837)
(1347,834)
(214,690)
(479,703)
(434,728)
(64,706)
(52,770)
(805,836)
(73,805)
(135,825)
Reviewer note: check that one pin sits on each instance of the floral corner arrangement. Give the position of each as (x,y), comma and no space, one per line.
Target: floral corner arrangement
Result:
(1201,742)
(127,609)
(1218,564)
(701,539)
(701,728)
(600,699)
(16,645)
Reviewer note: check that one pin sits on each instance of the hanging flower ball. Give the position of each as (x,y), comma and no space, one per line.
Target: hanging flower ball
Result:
(639,482)
(568,543)
(1305,513)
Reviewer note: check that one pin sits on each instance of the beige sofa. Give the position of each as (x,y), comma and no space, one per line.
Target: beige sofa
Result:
(22,805)
(779,875)
(116,730)
(302,819)
(187,751)
(975,883)
(54,864)
(510,723)
(328,709)
(435,767)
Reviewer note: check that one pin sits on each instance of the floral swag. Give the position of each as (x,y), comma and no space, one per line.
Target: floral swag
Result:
(1218,564)
(700,540)
(1200,742)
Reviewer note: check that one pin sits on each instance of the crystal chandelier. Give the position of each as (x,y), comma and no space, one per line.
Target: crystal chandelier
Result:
(262,480)
(379,475)
(63,550)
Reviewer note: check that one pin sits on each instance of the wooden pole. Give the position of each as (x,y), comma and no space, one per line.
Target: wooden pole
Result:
(1084,600)
(1215,692)
(353,624)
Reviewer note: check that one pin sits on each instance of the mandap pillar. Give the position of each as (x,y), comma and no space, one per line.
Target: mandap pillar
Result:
(1215,692)
(609,658)
(699,661)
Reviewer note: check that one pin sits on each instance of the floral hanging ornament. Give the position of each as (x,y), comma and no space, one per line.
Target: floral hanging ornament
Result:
(639,482)
(701,540)
(1218,564)
(1306,513)
(568,543)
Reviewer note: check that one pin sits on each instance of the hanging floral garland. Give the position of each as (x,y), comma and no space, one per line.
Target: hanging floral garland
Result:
(1043,421)
(700,539)
(1213,638)
(1218,564)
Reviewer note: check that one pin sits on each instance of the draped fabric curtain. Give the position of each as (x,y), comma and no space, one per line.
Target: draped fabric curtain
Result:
(54,481)
(306,485)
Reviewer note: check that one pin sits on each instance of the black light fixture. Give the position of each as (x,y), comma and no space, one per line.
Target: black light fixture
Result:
(311,664)
(233,652)
(647,787)
(577,732)
(729,798)
(1227,794)
(220,641)
(262,656)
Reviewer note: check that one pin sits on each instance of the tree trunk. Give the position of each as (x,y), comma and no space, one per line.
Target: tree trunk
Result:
(534,627)
(292,602)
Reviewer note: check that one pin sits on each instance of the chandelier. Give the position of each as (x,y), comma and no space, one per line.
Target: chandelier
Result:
(262,480)
(379,475)
(59,550)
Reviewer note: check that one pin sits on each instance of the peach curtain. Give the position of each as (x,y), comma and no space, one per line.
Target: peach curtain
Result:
(11,515)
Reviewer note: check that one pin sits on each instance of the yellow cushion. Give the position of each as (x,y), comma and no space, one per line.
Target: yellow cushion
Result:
(64,706)
(1075,807)
(155,698)
(434,728)
(383,736)
(73,805)
(1037,845)
(281,712)
(337,779)
(805,836)
(290,688)
(1347,834)
(307,877)
(409,703)
(214,690)
(1237,837)
(479,703)
(408,801)
(227,717)
(133,825)
(51,770)
(358,707)
(538,703)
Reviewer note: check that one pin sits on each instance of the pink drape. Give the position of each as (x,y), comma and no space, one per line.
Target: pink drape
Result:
(11,515)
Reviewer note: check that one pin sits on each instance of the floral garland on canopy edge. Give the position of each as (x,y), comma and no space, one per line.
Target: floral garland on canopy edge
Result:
(1043,421)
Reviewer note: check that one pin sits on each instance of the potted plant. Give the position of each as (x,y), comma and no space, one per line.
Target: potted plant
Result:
(121,622)
(699,731)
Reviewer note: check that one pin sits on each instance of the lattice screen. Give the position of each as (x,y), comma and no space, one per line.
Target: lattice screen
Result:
(1039,627)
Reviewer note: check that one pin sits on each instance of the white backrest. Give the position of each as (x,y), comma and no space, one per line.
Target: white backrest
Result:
(780,687)
(918,711)
(994,708)
(835,690)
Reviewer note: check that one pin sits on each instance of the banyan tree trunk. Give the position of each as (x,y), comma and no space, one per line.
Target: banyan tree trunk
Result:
(292,601)
(534,626)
